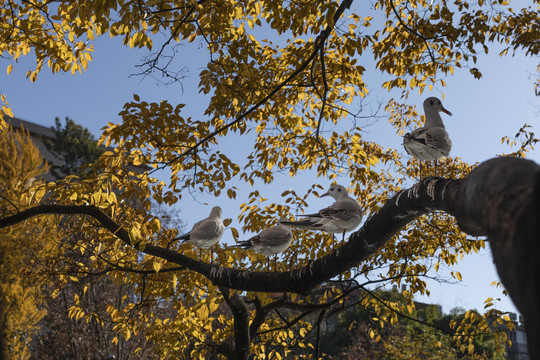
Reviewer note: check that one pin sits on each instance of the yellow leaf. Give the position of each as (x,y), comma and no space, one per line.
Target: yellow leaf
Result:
(7,111)
(55,293)
(202,313)
(9,69)
(157,266)
(213,306)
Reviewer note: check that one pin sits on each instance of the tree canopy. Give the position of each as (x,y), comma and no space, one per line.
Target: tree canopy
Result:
(21,247)
(74,145)
(284,78)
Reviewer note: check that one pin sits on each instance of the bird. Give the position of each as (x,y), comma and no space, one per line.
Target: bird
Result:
(431,141)
(207,232)
(271,241)
(342,216)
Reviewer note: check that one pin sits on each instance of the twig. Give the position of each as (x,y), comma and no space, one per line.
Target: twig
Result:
(318,44)
(412,32)
(318,341)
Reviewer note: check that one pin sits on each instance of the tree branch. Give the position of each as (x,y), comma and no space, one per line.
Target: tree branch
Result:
(318,44)
(429,195)
(241,324)
(500,199)
(412,32)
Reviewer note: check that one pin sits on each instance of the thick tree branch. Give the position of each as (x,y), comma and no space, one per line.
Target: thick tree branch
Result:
(500,199)
(241,324)
(429,195)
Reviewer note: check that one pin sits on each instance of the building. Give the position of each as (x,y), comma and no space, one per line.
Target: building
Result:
(518,350)
(40,133)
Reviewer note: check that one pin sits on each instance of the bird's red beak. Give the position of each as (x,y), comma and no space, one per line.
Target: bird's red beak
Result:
(446,111)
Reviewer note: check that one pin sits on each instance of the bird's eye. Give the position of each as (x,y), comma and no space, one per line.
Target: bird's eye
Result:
(431,102)
(331,189)
(439,102)
(338,189)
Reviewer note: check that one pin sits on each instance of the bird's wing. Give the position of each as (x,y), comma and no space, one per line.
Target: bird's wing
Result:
(196,226)
(415,142)
(275,236)
(344,209)
(427,143)
(437,138)
(418,135)
(206,229)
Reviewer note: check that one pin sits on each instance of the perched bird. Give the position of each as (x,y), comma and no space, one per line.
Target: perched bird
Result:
(206,232)
(431,141)
(342,216)
(271,241)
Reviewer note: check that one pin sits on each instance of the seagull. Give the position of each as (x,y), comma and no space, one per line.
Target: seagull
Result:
(206,232)
(271,241)
(342,216)
(431,141)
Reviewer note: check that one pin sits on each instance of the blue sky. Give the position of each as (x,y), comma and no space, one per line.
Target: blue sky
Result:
(484,111)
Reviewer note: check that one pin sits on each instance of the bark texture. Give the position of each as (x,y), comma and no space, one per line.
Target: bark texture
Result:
(501,199)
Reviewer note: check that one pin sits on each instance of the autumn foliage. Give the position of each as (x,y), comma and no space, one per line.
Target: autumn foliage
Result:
(21,247)
(286,79)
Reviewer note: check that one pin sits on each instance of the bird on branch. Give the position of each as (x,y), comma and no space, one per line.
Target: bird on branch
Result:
(430,142)
(271,241)
(344,215)
(207,232)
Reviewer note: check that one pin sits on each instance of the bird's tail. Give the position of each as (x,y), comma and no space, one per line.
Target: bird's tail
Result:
(246,244)
(304,223)
(184,237)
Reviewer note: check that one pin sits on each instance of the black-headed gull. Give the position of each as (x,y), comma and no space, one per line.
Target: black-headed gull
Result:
(207,232)
(271,241)
(431,141)
(342,216)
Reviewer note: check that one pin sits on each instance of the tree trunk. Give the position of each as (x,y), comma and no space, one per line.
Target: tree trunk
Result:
(501,199)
